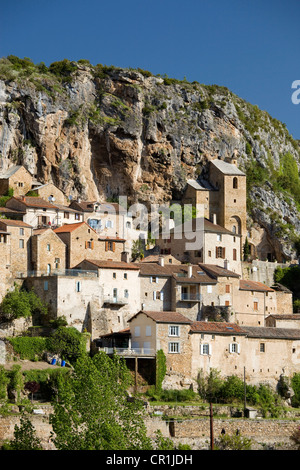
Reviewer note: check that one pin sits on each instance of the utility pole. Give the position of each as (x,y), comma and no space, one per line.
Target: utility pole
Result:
(211,429)
(245,391)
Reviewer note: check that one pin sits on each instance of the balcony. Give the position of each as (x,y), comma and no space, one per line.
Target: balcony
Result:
(190,297)
(115,300)
(129,352)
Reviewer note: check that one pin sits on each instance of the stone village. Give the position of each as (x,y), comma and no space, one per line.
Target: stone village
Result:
(203,305)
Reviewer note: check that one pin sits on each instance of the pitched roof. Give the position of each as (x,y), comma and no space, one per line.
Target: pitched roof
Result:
(32,201)
(10,171)
(227,168)
(223,328)
(113,264)
(217,271)
(177,271)
(199,224)
(272,333)
(254,286)
(15,223)
(280,316)
(67,228)
(164,317)
(155,259)
(88,206)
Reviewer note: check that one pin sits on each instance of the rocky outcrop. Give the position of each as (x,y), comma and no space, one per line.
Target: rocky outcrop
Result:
(105,132)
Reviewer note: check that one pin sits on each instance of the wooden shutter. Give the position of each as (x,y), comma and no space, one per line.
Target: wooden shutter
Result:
(92,245)
(106,246)
(114,246)
(223,252)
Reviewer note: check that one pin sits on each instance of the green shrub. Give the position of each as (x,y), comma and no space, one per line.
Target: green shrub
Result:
(68,343)
(29,348)
(21,303)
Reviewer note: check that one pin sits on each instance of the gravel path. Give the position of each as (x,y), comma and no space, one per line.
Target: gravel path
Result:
(29,365)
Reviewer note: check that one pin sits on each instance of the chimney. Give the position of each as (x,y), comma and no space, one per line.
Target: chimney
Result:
(125,256)
(190,270)
(161,260)
(214,219)
(226,264)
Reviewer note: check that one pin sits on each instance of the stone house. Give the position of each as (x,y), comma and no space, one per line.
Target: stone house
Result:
(223,195)
(202,241)
(19,245)
(169,331)
(110,220)
(41,213)
(263,354)
(119,282)
(50,192)
(16,178)
(83,242)
(48,252)
(5,254)
(254,302)
(75,296)
(283,321)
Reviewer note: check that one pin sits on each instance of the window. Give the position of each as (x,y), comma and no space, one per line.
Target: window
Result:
(78,286)
(173,330)
(45,285)
(235,183)
(109,224)
(114,275)
(20,185)
(89,245)
(77,216)
(234,254)
(234,348)
(219,237)
(262,347)
(21,232)
(148,330)
(125,275)
(48,247)
(205,349)
(255,305)
(128,225)
(220,252)
(126,293)
(154,279)
(66,215)
(137,331)
(21,243)
(227,289)
(174,348)
(209,289)
(209,253)
(109,246)
(57,261)
(227,303)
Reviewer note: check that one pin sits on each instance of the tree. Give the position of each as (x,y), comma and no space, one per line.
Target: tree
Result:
(21,303)
(24,437)
(137,249)
(67,342)
(246,250)
(91,410)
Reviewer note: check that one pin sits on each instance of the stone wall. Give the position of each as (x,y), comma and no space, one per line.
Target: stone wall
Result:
(263,433)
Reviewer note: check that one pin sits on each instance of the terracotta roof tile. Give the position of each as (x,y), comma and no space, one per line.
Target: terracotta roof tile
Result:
(32,201)
(254,286)
(223,328)
(15,223)
(66,228)
(164,317)
(177,271)
(113,264)
(272,332)
(218,271)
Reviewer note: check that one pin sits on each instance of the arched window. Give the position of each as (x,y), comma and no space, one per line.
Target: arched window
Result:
(235,183)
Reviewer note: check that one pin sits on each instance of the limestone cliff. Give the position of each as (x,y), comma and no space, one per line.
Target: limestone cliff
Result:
(99,132)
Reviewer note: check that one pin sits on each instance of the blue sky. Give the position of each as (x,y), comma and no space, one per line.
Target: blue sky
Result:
(250,46)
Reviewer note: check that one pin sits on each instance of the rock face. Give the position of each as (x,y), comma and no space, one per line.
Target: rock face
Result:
(108,132)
